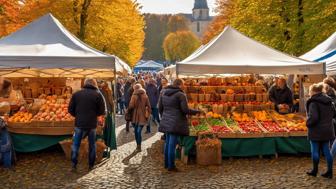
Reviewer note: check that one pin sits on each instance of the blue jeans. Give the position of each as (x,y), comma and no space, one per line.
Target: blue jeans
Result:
(155,114)
(6,149)
(77,138)
(121,106)
(169,150)
(137,133)
(316,148)
(333,149)
(155,117)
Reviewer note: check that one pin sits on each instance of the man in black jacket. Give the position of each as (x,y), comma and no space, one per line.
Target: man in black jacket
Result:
(86,105)
(281,96)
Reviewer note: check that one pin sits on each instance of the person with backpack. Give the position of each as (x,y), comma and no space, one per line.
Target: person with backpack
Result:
(140,109)
(320,128)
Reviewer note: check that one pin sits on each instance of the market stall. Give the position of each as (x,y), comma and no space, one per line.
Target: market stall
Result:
(148,66)
(224,79)
(46,64)
(324,52)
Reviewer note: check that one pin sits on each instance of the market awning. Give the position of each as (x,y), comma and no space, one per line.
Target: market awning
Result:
(148,66)
(324,52)
(44,48)
(234,53)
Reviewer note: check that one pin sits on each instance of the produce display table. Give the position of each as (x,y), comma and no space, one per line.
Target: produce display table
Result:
(243,147)
(31,143)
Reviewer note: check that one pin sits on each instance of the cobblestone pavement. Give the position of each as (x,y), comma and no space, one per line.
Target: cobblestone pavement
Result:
(126,169)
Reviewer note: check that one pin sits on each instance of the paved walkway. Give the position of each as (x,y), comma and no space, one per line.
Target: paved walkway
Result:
(126,169)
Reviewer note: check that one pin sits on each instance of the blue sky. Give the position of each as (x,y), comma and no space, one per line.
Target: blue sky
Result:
(171,6)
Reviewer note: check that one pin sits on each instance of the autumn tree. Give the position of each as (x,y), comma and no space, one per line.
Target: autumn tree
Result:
(177,23)
(179,45)
(114,27)
(155,32)
(288,26)
(9,20)
(225,11)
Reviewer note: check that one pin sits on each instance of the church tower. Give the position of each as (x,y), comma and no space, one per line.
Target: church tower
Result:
(201,10)
(200,17)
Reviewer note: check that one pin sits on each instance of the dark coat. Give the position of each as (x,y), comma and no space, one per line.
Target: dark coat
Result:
(139,107)
(153,94)
(281,96)
(173,107)
(320,114)
(127,92)
(119,92)
(332,95)
(86,105)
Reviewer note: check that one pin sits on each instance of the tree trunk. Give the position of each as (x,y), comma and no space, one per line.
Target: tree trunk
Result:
(83,19)
(300,28)
(284,15)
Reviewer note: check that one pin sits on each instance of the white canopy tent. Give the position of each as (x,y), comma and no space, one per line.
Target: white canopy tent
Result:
(234,53)
(324,52)
(44,48)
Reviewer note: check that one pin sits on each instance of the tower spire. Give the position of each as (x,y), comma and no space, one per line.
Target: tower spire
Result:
(200,4)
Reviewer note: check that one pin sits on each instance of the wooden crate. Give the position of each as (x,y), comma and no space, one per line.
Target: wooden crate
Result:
(18,125)
(227,135)
(298,133)
(250,135)
(64,124)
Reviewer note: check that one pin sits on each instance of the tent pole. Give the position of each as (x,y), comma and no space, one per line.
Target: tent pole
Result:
(114,98)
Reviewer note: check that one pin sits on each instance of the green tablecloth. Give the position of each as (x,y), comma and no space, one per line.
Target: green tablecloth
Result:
(31,143)
(242,147)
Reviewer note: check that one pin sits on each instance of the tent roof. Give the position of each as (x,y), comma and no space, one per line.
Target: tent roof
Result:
(46,44)
(149,64)
(45,36)
(324,52)
(234,53)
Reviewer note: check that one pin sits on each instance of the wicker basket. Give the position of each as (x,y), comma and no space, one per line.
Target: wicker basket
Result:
(223,97)
(247,97)
(207,97)
(248,107)
(230,98)
(83,151)
(265,97)
(208,155)
(239,97)
(201,97)
(194,97)
(259,97)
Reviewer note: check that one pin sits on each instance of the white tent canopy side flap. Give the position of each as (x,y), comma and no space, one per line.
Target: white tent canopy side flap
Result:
(324,52)
(46,45)
(234,53)
(150,64)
